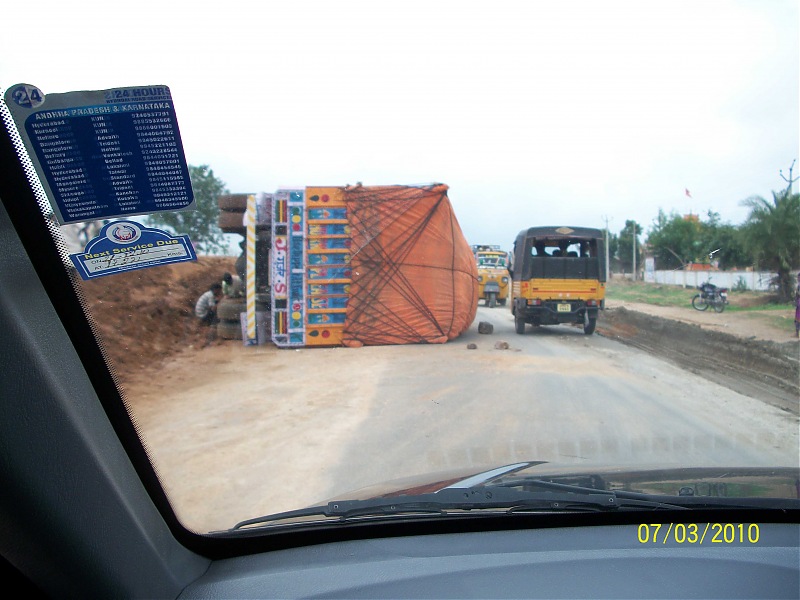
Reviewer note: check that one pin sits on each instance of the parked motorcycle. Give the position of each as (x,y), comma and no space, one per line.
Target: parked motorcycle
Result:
(710,295)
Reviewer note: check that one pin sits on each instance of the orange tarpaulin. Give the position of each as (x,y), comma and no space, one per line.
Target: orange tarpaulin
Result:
(414,275)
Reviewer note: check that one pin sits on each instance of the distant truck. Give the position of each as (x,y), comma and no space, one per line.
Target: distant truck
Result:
(558,276)
(493,276)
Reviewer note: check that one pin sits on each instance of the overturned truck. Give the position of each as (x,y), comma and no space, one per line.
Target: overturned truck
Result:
(378,265)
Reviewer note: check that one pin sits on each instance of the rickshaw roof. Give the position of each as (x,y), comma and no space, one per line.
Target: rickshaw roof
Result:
(560,232)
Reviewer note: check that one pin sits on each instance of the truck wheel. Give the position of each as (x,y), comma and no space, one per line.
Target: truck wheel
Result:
(230,308)
(492,302)
(589,326)
(519,325)
(231,219)
(501,301)
(233,202)
(233,222)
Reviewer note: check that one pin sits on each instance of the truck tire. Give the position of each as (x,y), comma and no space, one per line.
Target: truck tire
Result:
(231,219)
(589,326)
(519,325)
(230,309)
(233,222)
(233,202)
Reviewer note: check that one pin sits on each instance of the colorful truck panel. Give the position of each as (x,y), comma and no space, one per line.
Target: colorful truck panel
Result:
(369,266)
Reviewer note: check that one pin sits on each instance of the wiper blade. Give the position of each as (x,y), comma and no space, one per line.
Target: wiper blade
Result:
(627,499)
(450,501)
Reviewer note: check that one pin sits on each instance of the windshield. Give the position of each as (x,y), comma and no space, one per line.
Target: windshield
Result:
(489,260)
(269,215)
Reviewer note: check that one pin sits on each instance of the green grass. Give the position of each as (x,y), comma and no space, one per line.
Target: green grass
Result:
(788,307)
(647,293)
(755,303)
(752,305)
(783,322)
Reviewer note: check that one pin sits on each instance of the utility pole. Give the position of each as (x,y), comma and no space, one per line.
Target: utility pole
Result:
(633,228)
(608,265)
(790,181)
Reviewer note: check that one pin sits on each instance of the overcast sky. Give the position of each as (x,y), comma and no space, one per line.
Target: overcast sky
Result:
(533,112)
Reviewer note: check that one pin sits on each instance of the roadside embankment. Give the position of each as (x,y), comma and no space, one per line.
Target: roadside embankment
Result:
(767,370)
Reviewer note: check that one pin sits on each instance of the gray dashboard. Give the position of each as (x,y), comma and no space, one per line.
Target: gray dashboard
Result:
(591,562)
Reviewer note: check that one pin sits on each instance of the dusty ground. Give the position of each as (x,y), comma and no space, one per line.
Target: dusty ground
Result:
(145,320)
(146,317)
(741,350)
(181,394)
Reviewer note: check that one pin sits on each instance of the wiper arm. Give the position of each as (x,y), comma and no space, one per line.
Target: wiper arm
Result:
(450,501)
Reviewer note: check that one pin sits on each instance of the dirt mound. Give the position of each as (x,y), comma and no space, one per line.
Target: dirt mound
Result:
(146,316)
(761,369)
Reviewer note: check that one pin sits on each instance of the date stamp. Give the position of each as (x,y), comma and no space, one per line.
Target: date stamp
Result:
(698,533)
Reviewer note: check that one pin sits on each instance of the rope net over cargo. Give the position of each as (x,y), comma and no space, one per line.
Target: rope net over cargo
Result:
(414,278)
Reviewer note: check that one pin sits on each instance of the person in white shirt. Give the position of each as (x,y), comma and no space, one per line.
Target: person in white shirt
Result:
(206,307)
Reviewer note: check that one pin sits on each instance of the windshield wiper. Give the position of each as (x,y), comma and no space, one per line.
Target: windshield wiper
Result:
(630,499)
(450,501)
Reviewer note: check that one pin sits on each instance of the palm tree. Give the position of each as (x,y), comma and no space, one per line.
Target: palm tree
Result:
(772,235)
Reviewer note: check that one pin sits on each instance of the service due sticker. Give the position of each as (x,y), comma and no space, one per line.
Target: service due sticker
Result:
(127,245)
(104,154)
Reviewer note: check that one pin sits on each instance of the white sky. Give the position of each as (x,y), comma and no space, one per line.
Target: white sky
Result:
(533,112)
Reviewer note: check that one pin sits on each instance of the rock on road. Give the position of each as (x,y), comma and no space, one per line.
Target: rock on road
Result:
(238,432)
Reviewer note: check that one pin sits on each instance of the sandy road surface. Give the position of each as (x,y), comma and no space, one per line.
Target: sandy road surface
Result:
(236,432)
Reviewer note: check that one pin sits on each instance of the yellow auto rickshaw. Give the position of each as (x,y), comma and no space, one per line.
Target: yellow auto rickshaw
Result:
(558,276)
(493,277)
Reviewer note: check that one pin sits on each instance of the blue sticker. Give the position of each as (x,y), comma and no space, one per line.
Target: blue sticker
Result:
(104,154)
(126,246)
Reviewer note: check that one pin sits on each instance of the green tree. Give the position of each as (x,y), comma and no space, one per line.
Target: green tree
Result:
(626,244)
(725,241)
(675,240)
(201,224)
(678,240)
(772,235)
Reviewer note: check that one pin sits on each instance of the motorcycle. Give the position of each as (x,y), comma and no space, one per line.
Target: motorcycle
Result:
(710,295)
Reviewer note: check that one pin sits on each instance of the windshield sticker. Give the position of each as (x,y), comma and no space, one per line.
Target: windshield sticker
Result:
(104,154)
(127,245)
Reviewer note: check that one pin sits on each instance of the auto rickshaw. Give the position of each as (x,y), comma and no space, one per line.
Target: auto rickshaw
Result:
(493,278)
(558,276)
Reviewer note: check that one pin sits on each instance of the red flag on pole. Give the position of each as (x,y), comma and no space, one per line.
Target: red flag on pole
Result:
(687,193)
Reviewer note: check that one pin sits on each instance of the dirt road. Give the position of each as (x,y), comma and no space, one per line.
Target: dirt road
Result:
(762,365)
(237,432)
